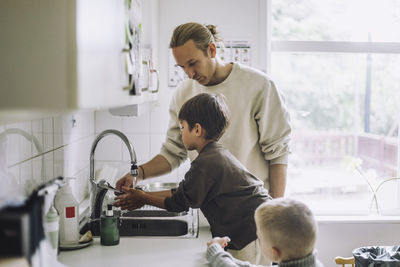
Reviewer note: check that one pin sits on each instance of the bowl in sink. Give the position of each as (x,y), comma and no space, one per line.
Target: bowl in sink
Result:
(157,186)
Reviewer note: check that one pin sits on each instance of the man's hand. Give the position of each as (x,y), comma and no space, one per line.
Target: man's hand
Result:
(126,181)
(131,200)
(222,241)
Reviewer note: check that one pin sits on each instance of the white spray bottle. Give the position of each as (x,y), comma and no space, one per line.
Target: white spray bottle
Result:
(68,210)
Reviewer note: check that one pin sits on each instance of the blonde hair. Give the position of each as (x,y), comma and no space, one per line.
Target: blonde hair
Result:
(201,35)
(288,225)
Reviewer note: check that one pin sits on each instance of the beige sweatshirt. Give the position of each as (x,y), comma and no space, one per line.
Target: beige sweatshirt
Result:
(259,130)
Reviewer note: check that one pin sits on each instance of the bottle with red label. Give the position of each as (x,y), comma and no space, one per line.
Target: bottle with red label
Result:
(68,209)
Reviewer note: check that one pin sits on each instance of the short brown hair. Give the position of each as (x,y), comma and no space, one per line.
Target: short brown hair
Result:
(289,225)
(201,35)
(210,111)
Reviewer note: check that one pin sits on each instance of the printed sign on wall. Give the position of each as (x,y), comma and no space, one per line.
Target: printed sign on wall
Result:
(175,73)
(235,51)
(232,51)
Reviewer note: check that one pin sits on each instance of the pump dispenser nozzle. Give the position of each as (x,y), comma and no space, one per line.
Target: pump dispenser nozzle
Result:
(109,212)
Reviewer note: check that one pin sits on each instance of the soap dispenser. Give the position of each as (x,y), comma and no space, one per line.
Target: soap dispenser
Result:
(109,227)
(68,210)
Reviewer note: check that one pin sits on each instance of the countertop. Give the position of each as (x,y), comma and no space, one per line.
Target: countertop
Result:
(142,252)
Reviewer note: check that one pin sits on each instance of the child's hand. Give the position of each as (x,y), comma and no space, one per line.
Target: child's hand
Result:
(222,241)
(131,200)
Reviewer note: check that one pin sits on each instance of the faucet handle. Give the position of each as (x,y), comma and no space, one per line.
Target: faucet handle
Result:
(106,185)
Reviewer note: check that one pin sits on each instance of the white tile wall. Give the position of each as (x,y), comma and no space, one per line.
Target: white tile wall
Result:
(19,146)
(49,165)
(146,133)
(76,157)
(37,151)
(39,169)
(138,125)
(109,148)
(58,165)
(104,121)
(13,176)
(26,178)
(37,137)
(60,132)
(48,134)
(141,145)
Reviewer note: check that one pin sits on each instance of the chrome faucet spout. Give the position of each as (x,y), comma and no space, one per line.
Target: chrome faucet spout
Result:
(103,134)
(98,190)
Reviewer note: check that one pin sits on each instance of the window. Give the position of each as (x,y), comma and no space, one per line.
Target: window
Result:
(338,64)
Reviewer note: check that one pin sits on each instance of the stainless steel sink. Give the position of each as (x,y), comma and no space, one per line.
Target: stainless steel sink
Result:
(152,221)
(157,222)
(153,213)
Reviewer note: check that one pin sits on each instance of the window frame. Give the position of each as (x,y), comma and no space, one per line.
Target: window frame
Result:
(371,47)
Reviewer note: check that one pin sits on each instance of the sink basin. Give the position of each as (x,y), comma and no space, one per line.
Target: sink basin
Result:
(153,213)
(152,227)
(152,221)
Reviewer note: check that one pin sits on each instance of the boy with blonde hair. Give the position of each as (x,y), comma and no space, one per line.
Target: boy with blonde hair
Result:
(286,230)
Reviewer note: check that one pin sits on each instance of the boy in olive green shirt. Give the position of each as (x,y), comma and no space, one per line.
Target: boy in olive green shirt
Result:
(216,182)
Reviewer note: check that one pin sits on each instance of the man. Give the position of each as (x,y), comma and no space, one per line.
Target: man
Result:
(259,133)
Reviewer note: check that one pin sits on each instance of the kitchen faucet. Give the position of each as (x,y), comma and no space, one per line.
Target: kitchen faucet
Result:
(146,222)
(98,190)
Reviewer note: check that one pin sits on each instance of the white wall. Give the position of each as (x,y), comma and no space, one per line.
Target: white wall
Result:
(235,20)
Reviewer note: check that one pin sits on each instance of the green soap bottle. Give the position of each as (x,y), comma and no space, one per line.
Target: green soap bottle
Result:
(109,228)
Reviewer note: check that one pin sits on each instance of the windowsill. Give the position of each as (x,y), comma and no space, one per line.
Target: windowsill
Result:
(328,219)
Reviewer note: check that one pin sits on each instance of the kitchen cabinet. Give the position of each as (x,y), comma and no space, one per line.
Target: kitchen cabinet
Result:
(68,54)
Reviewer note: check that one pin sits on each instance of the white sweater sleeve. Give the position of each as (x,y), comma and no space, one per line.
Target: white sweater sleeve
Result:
(274,125)
(217,257)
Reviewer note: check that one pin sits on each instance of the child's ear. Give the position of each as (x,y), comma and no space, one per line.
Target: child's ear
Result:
(199,130)
(277,254)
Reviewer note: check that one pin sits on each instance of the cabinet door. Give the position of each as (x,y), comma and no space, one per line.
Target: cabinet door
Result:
(62,55)
(37,54)
(100,39)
